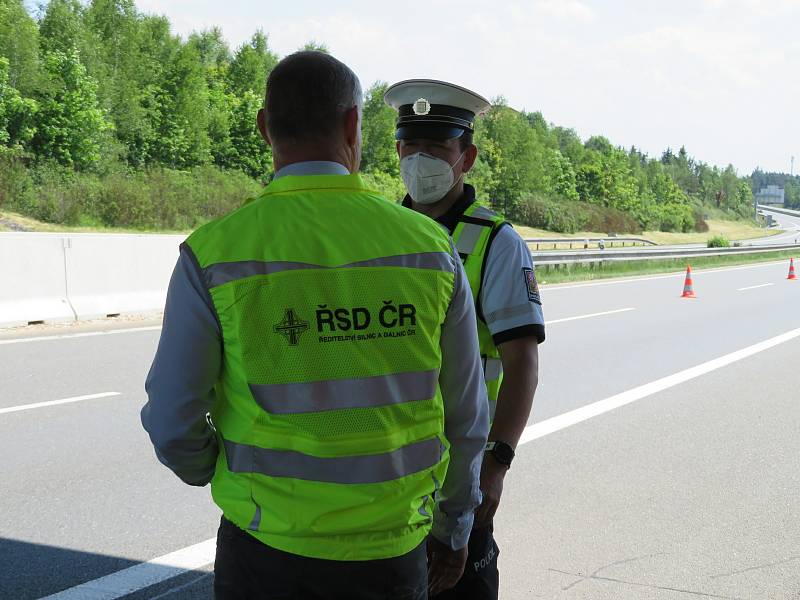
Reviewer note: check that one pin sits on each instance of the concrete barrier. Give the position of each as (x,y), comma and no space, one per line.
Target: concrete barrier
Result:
(115,274)
(53,277)
(33,284)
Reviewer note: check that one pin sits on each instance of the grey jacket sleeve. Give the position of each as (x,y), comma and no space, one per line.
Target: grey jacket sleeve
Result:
(466,416)
(180,385)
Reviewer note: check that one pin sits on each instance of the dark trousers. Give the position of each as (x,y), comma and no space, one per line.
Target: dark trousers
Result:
(481,579)
(246,569)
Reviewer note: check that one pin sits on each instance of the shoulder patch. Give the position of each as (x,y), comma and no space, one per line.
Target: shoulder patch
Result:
(531,285)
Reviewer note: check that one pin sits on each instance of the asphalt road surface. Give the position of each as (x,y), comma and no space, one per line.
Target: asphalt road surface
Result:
(661,460)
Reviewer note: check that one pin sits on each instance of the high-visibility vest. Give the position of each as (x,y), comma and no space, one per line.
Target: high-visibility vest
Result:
(472,236)
(328,409)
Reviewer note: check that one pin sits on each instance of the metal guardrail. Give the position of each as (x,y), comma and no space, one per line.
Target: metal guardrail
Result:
(578,257)
(584,242)
(777,209)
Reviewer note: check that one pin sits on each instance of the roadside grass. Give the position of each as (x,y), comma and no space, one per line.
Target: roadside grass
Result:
(552,274)
(733,230)
(11,221)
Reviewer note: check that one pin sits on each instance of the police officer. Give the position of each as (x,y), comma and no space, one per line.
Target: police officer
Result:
(324,330)
(435,145)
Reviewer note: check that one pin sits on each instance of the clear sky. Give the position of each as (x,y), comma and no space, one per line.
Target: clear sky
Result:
(721,77)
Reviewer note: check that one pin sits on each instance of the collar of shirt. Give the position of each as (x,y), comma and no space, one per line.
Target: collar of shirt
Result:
(312,167)
(453,214)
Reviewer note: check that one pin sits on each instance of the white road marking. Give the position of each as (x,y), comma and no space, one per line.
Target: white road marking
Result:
(12,409)
(675,275)
(589,316)
(584,413)
(754,287)
(47,338)
(138,577)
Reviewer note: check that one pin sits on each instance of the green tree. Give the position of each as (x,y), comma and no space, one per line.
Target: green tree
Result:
(569,144)
(213,50)
(248,152)
(61,27)
(515,156)
(71,126)
(19,43)
(16,113)
(792,192)
(251,65)
(378,152)
(316,46)
(183,100)
(562,176)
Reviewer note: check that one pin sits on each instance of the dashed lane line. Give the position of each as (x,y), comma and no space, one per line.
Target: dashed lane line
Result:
(66,336)
(754,287)
(589,316)
(13,409)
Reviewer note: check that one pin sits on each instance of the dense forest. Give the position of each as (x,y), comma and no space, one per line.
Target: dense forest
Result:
(107,118)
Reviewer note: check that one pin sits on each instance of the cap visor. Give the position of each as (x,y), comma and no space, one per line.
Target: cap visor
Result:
(428,132)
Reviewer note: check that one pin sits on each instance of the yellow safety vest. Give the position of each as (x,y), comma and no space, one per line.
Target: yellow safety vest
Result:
(328,410)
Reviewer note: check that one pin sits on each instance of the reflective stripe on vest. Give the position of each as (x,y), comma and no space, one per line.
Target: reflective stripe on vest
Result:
(468,239)
(222,273)
(492,369)
(338,394)
(349,470)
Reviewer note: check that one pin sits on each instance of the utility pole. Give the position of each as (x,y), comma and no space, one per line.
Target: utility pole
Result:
(791,170)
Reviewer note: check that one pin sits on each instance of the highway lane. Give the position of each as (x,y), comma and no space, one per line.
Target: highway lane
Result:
(690,493)
(81,479)
(586,360)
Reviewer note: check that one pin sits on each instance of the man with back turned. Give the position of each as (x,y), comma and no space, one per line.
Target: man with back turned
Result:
(324,331)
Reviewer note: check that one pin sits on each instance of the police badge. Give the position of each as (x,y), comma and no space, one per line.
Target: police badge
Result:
(421,107)
(531,285)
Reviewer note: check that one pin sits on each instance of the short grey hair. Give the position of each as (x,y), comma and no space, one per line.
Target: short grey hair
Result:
(307,92)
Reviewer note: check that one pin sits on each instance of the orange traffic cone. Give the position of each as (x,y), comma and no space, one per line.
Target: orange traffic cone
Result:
(791,270)
(688,291)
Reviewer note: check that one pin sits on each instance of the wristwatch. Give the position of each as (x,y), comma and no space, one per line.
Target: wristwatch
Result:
(502,452)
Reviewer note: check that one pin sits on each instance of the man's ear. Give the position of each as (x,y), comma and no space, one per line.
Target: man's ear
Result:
(352,125)
(470,156)
(397,147)
(261,120)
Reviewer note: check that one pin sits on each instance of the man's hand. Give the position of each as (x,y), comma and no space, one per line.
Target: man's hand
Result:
(445,566)
(492,475)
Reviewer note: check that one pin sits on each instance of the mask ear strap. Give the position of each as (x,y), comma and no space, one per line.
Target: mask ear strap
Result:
(454,165)
(460,177)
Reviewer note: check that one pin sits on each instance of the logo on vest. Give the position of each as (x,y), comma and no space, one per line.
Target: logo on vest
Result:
(292,327)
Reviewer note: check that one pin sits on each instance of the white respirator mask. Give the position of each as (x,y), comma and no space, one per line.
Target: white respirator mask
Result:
(427,178)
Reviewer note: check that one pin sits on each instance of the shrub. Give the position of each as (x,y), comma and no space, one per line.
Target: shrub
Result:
(153,199)
(15,182)
(719,241)
(544,213)
(611,220)
(675,217)
(700,224)
(570,216)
